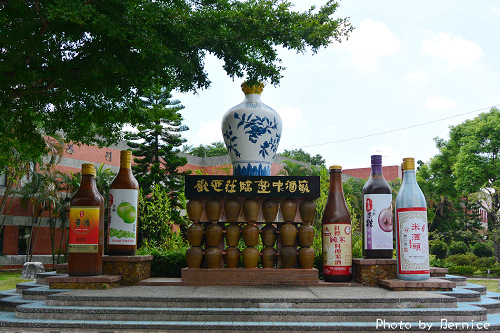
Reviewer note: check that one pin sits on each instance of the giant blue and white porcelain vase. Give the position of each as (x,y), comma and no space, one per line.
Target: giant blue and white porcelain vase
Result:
(252,132)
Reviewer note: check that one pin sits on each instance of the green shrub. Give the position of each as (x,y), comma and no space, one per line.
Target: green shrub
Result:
(462,270)
(461,259)
(485,262)
(458,248)
(482,250)
(436,262)
(439,249)
(166,262)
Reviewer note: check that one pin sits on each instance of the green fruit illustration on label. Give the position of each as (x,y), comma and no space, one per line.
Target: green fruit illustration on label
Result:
(126,212)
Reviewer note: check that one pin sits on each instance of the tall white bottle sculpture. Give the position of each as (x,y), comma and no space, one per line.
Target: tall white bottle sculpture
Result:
(252,132)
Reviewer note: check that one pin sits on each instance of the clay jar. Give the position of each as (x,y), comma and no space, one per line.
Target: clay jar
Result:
(268,235)
(194,256)
(251,234)
(232,209)
(232,257)
(213,208)
(195,234)
(213,234)
(288,210)
(250,257)
(288,234)
(232,234)
(270,210)
(307,210)
(194,210)
(212,257)
(268,257)
(251,209)
(288,257)
(306,235)
(306,257)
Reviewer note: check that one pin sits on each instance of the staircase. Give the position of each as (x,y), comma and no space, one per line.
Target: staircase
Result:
(33,307)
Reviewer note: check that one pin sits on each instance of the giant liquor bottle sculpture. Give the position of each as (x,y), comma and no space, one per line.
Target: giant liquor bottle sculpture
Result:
(252,132)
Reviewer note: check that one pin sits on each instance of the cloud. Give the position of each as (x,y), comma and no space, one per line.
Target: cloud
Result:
(290,116)
(453,51)
(496,9)
(209,132)
(417,77)
(437,103)
(369,42)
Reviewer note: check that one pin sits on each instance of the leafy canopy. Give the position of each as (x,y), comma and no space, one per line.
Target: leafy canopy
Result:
(301,155)
(80,66)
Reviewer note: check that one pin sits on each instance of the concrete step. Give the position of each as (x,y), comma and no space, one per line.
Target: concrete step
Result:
(491,305)
(26,285)
(10,303)
(254,297)
(40,293)
(37,311)
(459,280)
(8,320)
(41,278)
(462,295)
(476,287)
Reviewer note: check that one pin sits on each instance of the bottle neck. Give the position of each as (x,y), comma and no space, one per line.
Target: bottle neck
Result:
(336,181)
(409,176)
(88,182)
(252,97)
(376,169)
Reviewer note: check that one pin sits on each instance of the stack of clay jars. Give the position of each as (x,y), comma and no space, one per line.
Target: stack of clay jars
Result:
(289,236)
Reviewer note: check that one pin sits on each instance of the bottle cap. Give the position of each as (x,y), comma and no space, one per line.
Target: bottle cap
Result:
(376,159)
(335,167)
(125,159)
(255,89)
(88,169)
(408,163)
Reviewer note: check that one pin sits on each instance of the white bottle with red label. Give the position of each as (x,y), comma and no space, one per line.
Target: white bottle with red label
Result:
(412,241)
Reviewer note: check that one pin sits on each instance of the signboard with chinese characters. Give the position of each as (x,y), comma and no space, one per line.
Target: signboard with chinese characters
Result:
(252,186)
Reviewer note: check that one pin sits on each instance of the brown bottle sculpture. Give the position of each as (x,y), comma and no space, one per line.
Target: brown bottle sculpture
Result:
(251,234)
(212,257)
(306,257)
(268,257)
(251,257)
(288,210)
(195,234)
(306,235)
(232,234)
(232,209)
(307,210)
(251,209)
(268,235)
(213,208)
(232,257)
(213,234)
(194,257)
(288,234)
(194,209)
(288,256)
(270,210)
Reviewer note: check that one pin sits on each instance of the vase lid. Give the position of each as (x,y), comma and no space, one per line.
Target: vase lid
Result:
(254,89)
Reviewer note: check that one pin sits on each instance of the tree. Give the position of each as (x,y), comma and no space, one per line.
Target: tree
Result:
(467,169)
(217,148)
(80,66)
(302,156)
(156,145)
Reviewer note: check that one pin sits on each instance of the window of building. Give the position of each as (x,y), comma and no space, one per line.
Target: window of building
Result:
(22,242)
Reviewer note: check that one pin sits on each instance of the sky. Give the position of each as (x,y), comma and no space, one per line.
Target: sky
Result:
(409,70)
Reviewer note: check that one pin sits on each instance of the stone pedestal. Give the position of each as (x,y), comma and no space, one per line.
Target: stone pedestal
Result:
(31,269)
(132,268)
(369,271)
(432,284)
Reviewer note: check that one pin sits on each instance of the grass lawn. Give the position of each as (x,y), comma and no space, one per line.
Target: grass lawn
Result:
(491,284)
(8,280)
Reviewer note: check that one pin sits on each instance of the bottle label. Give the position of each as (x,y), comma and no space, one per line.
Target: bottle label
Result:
(83,229)
(377,221)
(413,241)
(122,216)
(337,249)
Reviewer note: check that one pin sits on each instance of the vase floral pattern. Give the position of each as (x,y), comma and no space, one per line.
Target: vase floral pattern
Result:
(252,132)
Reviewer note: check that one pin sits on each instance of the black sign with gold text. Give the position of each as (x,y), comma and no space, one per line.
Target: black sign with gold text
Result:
(252,186)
